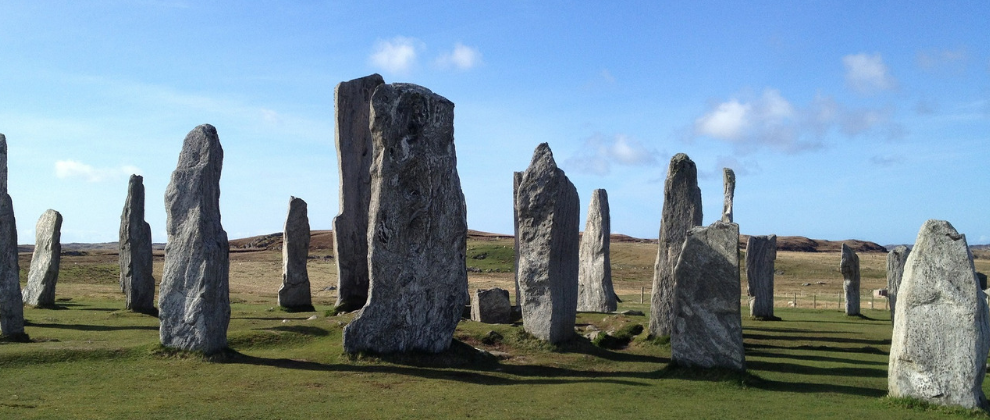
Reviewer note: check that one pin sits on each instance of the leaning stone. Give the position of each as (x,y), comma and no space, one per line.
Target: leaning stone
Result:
(761,251)
(40,289)
(941,336)
(194,300)
(516,179)
(418,227)
(294,293)
(11,301)
(595,292)
(681,212)
(352,104)
(135,253)
(849,265)
(896,259)
(549,216)
(491,306)
(707,324)
(729,182)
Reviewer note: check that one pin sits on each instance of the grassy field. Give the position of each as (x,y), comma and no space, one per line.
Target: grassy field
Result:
(90,359)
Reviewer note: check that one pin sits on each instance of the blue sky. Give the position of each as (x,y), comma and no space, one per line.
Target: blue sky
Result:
(842,119)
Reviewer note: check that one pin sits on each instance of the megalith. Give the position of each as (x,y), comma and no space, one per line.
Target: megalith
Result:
(135,252)
(549,219)
(295,291)
(681,212)
(194,298)
(896,259)
(595,292)
(941,335)
(417,238)
(729,182)
(40,289)
(516,179)
(11,301)
(352,135)
(761,251)
(491,306)
(849,266)
(707,323)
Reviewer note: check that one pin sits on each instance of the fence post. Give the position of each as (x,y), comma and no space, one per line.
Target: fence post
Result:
(642,291)
(814,301)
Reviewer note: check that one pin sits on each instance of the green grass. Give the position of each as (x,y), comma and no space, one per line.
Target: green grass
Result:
(93,360)
(490,257)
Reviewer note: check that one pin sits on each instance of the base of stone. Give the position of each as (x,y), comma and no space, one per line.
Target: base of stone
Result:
(146,311)
(350,305)
(300,308)
(15,338)
(765,318)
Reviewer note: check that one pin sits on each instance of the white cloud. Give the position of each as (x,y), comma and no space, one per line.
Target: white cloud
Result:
(600,152)
(727,121)
(67,169)
(397,55)
(462,57)
(867,73)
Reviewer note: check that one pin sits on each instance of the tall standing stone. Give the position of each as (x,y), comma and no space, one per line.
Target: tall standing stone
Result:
(516,179)
(194,300)
(11,301)
(549,219)
(941,336)
(295,291)
(40,289)
(417,233)
(849,266)
(681,212)
(761,251)
(707,324)
(729,182)
(135,251)
(352,105)
(595,292)
(896,259)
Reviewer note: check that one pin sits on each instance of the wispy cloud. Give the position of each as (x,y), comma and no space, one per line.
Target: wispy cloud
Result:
(599,152)
(886,160)
(935,60)
(396,55)
(462,57)
(867,74)
(71,169)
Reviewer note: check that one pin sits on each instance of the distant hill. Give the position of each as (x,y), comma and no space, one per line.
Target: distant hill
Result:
(803,244)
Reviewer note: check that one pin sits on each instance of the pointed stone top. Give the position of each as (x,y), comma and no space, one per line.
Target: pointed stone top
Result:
(728,175)
(681,163)
(543,156)
(201,146)
(135,178)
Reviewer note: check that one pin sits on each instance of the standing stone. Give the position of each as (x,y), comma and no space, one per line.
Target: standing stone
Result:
(761,251)
(896,259)
(729,181)
(11,301)
(707,324)
(849,265)
(294,293)
(135,251)
(491,306)
(194,300)
(417,233)
(941,336)
(40,289)
(516,179)
(681,212)
(595,293)
(352,104)
(549,218)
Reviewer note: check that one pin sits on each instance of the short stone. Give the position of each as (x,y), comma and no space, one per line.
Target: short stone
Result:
(595,292)
(761,251)
(491,306)
(295,290)
(896,259)
(135,251)
(849,266)
(40,289)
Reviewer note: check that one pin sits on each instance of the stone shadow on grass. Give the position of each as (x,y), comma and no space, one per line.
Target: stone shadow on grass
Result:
(798,338)
(795,368)
(862,350)
(813,358)
(84,327)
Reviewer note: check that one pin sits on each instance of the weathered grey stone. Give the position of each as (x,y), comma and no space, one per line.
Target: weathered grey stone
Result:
(516,179)
(595,292)
(491,306)
(295,291)
(135,251)
(548,209)
(11,301)
(418,228)
(40,289)
(707,323)
(352,107)
(729,182)
(941,336)
(761,251)
(849,266)
(896,259)
(681,212)
(194,300)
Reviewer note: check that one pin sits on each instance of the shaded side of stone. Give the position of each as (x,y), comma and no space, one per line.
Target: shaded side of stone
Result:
(761,251)
(896,259)
(548,208)
(681,212)
(707,322)
(194,298)
(849,266)
(352,110)
(491,306)
(595,292)
(295,291)
(135,251)
(941,335)
(729,182)
(418,227)
(40,289)
(11,301)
